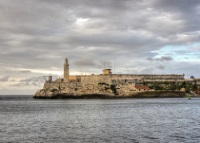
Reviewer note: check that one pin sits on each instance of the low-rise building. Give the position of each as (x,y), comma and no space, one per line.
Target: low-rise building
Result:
(140,88)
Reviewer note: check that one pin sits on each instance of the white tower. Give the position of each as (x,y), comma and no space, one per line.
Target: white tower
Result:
(66,71)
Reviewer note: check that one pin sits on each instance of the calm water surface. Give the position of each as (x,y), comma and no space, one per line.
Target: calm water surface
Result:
(118,121)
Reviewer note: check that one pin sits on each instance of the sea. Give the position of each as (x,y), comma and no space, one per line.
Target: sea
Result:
(154,120)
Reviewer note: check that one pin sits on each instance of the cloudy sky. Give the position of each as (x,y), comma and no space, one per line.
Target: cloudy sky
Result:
(129,36)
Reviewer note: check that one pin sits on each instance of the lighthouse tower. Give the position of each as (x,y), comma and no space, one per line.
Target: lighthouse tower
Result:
(66,70)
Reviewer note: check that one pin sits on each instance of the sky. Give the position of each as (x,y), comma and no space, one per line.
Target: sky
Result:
(129,36)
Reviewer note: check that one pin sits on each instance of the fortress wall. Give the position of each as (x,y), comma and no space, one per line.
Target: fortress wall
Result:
(51,84)
(146,77)
(115,79)
(95,79)
(177,77)
(61,84)
(74,78)
(163,80)
(124,78)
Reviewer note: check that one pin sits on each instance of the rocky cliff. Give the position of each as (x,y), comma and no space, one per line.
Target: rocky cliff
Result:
(100,90)
(74,90)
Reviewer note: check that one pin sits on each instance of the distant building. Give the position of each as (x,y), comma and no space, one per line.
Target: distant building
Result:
(107,72)
(141,88)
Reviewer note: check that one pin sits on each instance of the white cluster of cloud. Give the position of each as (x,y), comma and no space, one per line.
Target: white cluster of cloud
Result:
(132,36)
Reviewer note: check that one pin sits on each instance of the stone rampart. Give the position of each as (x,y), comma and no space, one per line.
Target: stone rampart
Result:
(146,77)
(111,85)
(95,79)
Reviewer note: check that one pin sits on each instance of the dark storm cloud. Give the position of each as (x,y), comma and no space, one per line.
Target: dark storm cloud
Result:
(187,11)
(91,62)
(49,21)
(84,62)
(39,34)
(160,59)
(115,39)
(177,5)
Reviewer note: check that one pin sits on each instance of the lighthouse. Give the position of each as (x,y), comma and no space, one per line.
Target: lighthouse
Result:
(66,70)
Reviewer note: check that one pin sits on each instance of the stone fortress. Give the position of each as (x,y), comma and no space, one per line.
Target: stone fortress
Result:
(104,84)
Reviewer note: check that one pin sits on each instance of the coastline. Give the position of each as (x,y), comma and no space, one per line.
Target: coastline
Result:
(152,94)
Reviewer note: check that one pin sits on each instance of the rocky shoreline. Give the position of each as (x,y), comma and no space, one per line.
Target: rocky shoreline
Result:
(148,94)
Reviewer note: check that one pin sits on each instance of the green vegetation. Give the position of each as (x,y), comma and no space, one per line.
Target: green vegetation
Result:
(113,88)
(157,86)
(173,86)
